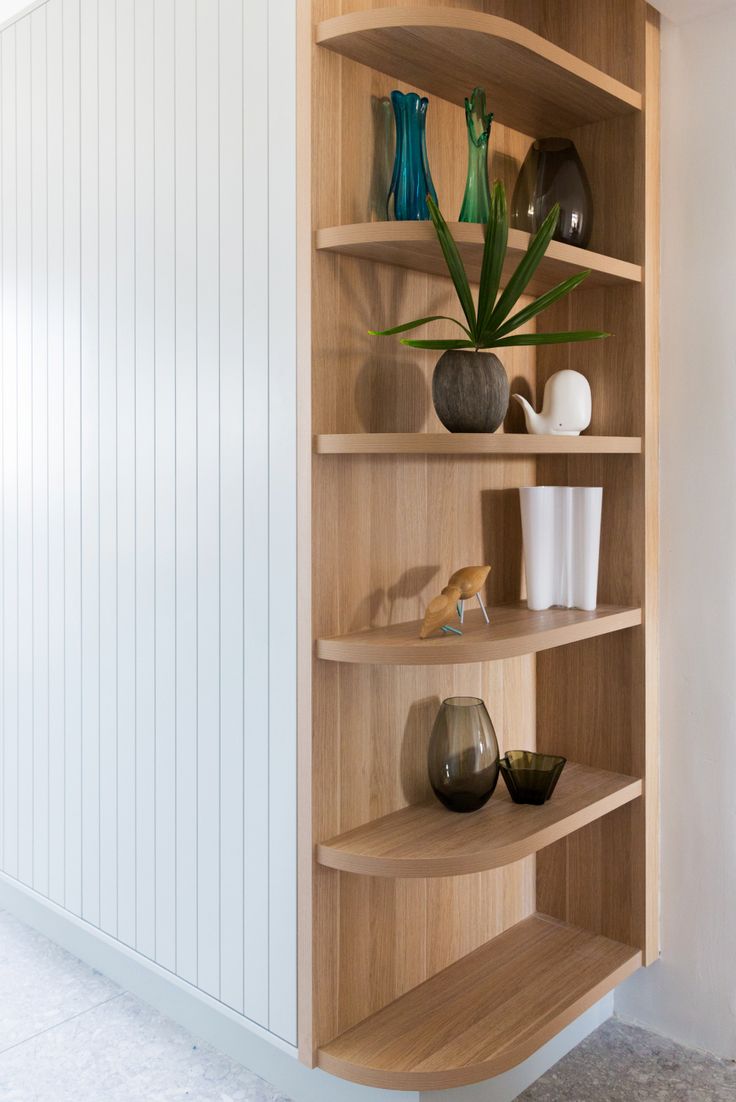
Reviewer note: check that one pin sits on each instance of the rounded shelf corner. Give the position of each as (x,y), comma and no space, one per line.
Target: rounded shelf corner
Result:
(535,86)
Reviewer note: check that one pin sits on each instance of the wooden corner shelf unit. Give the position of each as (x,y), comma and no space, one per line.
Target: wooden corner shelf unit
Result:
(436,950)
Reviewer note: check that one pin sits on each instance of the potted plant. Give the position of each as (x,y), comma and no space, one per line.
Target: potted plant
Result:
(470,389)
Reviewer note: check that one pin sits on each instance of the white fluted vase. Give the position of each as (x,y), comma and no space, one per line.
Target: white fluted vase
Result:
(561,526)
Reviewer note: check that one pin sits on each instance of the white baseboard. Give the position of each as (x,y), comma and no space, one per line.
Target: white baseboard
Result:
(248,1043)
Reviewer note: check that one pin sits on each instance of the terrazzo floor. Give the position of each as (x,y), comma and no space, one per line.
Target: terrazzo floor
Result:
(621,1063)
(68,1034)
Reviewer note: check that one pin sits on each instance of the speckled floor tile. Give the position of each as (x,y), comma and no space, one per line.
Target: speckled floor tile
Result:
(123,1051)
(42,985)
(621,1063)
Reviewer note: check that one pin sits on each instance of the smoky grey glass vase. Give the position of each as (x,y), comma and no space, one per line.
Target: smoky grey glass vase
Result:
(463,754)
(552,172)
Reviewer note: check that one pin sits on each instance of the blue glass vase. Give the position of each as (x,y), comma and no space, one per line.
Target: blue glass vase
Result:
(411,181)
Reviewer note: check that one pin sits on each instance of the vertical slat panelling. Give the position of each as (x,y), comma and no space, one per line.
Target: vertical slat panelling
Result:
(126,456)
(186,491)
(90,443)
(282,544)
(145,520)
(57,709)
(147,336)
(72,474)
(24,275)
(208,503)
(10,458)
(165,462)
(231,496)
(39,411)
(108,471)
(255,425)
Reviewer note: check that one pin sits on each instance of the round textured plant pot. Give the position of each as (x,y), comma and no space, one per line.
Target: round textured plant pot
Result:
(470,391)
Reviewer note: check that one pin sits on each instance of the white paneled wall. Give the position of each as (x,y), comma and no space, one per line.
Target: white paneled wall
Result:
(147,663)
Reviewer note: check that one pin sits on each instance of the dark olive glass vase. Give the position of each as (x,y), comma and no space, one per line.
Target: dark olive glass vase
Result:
(552,172)
(531,778)
(463,754)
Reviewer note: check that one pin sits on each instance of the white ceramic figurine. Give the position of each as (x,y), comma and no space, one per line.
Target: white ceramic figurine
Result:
(566,409)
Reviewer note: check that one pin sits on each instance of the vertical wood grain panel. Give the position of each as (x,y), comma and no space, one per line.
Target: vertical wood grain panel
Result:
(231,496)
(108,535)
(255,401)
(10,459)
(57,706)
(40,435)
(165,479)
(147,523)
(90,463)
(145,486)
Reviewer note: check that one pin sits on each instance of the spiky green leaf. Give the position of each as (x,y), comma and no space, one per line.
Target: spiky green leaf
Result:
(439,344)
(415,325)
(454,263)
(545,338)
(527,267)
(494,252)
(539,304)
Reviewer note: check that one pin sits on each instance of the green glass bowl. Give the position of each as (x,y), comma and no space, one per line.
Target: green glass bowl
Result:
(531,778)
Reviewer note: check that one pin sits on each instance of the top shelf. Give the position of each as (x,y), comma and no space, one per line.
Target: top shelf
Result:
(531,84)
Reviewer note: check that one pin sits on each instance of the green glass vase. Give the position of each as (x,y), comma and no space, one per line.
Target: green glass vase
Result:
(477,199)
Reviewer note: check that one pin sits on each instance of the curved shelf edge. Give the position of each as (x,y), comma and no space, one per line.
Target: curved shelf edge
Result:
(532,83)
(414,245)
(425,840)
(514,630)
(471,444)
(462,1025)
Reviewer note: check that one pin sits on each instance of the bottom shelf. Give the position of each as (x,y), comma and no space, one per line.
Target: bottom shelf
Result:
(486,1013)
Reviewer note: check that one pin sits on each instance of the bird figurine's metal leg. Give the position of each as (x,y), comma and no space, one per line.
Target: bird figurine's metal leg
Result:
(461,610)
(479,599)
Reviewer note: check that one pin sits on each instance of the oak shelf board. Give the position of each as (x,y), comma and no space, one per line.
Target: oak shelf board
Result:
(472,443)
(427,840)
(534,86)
(414,245)
(485,1013)
(514,630)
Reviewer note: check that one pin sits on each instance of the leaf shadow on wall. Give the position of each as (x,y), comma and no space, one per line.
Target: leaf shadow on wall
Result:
(401,601)
(502,545)
(414,746)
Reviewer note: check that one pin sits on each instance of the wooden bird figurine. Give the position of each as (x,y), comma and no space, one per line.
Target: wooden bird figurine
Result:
(470,580)
(439,610)
(464,584)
